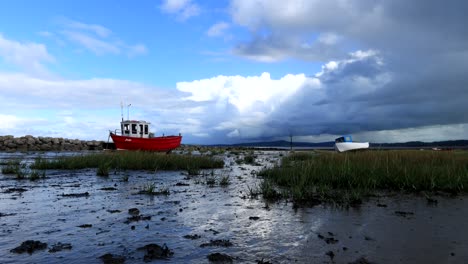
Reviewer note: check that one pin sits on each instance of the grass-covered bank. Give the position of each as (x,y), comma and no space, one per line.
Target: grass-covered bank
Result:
(129,160)
(347,177)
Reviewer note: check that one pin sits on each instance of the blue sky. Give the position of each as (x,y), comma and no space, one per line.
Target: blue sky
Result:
(235,70)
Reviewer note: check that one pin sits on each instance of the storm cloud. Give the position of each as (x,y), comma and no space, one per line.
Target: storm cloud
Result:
(387,65)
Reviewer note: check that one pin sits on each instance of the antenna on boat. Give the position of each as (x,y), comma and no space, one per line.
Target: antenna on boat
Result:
(128,115)
(121,109)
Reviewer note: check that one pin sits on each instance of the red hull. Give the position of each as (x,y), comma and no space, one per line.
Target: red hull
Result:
(165,144)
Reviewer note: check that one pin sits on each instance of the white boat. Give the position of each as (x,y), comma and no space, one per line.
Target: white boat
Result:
(345,143)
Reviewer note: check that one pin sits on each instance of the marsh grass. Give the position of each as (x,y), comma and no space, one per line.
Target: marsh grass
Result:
(150,189)
(36,175)
(224,181)
(211,181)
(347,177)
(103,170)
(129,160)
(13,166)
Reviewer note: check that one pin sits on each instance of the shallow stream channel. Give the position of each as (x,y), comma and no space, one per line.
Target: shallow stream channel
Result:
(78,217)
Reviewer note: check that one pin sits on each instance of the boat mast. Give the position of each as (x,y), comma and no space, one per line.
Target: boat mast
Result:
(121,110)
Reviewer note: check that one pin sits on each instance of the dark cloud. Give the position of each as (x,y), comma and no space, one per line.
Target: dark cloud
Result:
(418,76)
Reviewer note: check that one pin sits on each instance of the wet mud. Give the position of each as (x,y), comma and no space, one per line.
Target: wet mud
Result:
(78,217)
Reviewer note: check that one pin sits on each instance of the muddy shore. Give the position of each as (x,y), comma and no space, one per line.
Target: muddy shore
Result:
(78,217)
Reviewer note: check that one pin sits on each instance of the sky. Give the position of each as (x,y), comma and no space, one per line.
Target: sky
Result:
(230,71)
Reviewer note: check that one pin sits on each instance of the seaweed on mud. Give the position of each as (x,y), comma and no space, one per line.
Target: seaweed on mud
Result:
(219,258)
(85,194)
(403,214)
(112,259)
(361,260)
(60,246)
(133,211)
(192,237)
(136,218)
(331,254)
(328,240)
(2,214)
(29,246)
(263,261)
(217,243)
(11,190)
(155,251)
(85,226)
(108,189)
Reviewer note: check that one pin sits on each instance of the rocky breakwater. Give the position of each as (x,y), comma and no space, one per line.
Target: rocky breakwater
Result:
(30,143)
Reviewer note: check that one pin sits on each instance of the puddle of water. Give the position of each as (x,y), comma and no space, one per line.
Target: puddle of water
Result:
(401,229)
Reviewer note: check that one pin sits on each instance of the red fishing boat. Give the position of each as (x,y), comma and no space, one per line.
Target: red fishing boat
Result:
(135,135)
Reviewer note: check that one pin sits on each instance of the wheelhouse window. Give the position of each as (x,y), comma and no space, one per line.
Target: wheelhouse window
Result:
(146,129)
(134,128)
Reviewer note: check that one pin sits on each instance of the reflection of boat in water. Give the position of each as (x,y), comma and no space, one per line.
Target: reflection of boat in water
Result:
(345,143)
(135,135)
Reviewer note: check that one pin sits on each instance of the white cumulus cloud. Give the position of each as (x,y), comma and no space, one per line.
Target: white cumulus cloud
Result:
(184,9)
(29,56)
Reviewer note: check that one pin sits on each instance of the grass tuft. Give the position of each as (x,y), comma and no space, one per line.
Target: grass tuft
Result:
(347,177)
(224,181)
(129,160)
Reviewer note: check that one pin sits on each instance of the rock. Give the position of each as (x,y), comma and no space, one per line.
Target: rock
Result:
(29,246)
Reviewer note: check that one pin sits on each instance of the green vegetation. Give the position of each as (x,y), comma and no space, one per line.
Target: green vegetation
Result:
(20,170)
(103,169)
(36,175)
(211,181)
(11,166)
(129,160)
(347,177)
(224,181)
(150,189)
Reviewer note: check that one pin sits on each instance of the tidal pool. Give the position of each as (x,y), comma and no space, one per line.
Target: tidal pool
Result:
(91,214)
